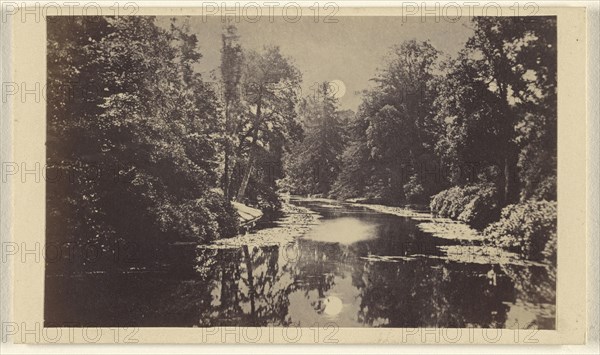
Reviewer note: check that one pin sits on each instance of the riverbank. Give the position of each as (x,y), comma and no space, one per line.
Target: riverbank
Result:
(295,222)
(471,245)
(444,228)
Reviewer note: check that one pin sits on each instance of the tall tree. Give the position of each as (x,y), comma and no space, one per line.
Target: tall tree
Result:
(502,81)
(271,85)
(231,75)
(314,164)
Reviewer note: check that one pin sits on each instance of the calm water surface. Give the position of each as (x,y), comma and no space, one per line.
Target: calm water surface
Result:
(339,272)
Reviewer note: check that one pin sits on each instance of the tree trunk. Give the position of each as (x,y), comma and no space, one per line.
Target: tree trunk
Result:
(226,174)
(510,193)
(245,179)
(509,189)
(251,155)
(251,288)
(227,149)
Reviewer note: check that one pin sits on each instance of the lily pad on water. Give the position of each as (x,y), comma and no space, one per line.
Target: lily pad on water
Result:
(297,221)
(444,228)
(450,230)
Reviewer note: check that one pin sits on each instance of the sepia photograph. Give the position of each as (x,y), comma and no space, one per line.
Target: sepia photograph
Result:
(359,171)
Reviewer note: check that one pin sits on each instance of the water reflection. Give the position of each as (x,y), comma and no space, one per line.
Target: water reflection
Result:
(356,269)
(345,231)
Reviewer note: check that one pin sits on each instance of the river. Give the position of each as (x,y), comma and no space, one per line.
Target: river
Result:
(356,267)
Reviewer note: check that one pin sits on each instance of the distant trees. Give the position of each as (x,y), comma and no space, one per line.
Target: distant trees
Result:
(392,137)
(314,163)
(355,165)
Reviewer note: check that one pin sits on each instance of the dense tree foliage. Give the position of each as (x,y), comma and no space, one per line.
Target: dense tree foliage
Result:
(260,94)
(498,108)
(501,86)
(527,228)
(147,155)
(135,143)
(481,124)
(314,163)
(397,115)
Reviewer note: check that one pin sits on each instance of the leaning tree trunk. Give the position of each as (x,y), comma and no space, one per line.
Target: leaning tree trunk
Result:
(251,153)
(226,174)
(245,179)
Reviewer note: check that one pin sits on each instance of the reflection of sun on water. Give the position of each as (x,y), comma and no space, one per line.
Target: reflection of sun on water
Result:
(342,230)
(333,306)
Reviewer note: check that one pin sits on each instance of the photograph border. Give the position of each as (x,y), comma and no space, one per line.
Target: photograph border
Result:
(28,211)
